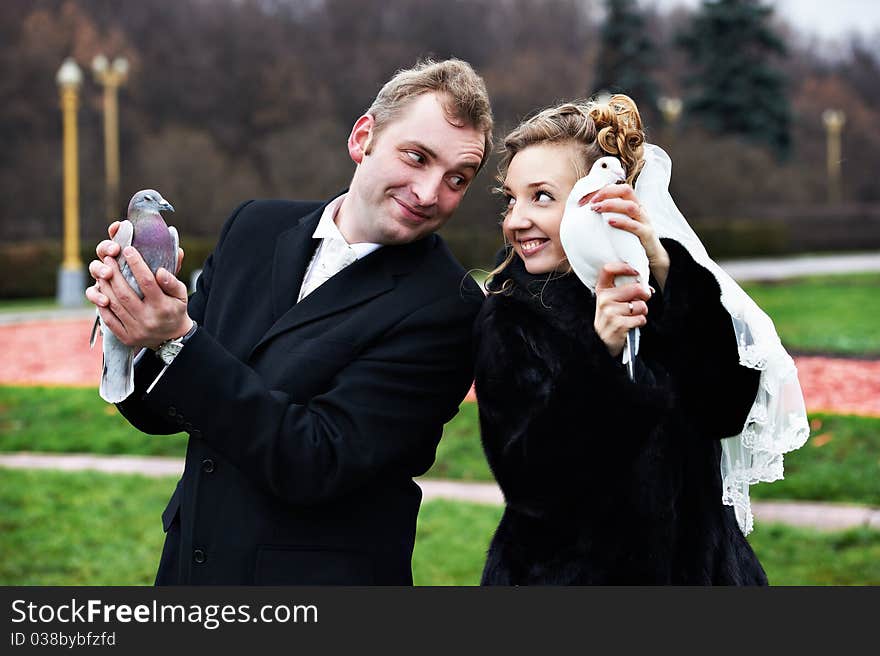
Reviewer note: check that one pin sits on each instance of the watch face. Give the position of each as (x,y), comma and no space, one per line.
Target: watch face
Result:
(169,351)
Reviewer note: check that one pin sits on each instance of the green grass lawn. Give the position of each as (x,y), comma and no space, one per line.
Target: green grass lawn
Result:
(841,461)
(833,314)
(84,528)
(73,420)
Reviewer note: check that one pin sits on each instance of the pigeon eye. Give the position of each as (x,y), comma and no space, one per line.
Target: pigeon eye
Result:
(150,198)
(604,165)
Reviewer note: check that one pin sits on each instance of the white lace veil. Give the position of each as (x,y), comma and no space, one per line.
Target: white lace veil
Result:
(777,422)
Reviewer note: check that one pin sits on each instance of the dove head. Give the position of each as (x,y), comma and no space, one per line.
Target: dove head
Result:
(608,169)
(148,201)
(605,171)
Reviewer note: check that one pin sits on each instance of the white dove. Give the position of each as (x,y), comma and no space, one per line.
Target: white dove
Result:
(590,243)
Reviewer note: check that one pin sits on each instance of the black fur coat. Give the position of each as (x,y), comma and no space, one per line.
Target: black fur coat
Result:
(609,481)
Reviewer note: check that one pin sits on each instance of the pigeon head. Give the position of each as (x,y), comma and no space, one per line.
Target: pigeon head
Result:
(149,200)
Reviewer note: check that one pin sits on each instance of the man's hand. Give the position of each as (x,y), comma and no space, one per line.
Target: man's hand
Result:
(146,322)
(618,308)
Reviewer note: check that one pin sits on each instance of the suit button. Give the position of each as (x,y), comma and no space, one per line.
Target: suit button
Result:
(196,433)
(199,556)
(188,426)
(179,420)
(172,411)
(208,465)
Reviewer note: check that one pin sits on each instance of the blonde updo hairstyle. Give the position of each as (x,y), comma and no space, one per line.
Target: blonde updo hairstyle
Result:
(594,128)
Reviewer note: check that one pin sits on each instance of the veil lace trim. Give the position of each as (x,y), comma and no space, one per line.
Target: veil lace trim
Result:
(777,421)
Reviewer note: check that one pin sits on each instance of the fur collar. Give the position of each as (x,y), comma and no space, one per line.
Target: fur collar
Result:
(560,299)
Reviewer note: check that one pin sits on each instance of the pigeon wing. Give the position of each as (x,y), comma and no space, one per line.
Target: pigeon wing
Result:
(122,237)
(175,241)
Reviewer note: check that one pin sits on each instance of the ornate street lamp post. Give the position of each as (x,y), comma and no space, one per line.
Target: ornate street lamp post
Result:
(671,110)
(111,76)
(71,276)
(834,120)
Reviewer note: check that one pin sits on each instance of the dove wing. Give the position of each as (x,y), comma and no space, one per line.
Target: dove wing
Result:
(627,248)
(585,243)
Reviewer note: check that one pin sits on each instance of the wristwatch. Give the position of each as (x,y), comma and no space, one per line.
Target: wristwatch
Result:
(169,349)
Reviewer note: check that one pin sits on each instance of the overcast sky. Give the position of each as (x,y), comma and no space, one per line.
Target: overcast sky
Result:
(813,16)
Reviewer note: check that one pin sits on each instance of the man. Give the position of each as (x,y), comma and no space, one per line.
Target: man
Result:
(322,352)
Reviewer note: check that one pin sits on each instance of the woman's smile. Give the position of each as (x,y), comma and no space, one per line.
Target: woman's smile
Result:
(531,246)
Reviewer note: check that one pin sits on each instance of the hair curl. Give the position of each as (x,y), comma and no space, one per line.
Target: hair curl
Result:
(595,128)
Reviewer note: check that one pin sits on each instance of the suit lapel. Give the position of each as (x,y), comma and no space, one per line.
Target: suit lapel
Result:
(293,251)
(357,283)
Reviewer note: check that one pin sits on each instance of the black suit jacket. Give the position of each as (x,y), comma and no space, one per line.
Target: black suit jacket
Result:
(307,421)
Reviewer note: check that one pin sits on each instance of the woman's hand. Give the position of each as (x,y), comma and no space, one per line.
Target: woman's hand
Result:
(618,309)
(621,199)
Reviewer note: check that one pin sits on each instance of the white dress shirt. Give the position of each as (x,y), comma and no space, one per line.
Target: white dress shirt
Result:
(333,253)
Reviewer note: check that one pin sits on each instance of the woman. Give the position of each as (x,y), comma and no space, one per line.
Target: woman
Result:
(609,480)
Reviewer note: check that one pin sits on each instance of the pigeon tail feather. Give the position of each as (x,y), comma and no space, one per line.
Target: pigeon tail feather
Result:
(117,375)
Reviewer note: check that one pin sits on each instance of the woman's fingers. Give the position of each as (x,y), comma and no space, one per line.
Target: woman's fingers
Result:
(631,292)
(629,207)
(622,190)
(610,271)
(631,308)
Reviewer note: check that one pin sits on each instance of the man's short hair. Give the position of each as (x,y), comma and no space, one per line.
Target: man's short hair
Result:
(463,95)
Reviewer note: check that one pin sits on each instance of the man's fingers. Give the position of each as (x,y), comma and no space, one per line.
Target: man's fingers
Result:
(119,293)
(112,322)
(113,228)
(107,248)
(141,272)
(96,297)
(171,285)
(99,270)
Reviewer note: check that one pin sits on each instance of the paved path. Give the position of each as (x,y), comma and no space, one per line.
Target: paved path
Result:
(55,351)
(790,267)
(823,516)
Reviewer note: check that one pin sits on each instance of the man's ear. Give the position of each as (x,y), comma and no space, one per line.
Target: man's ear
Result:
(360,138)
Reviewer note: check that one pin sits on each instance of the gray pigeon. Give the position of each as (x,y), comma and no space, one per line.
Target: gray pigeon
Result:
(145,230)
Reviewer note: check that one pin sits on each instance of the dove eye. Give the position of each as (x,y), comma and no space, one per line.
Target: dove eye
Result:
(604,165)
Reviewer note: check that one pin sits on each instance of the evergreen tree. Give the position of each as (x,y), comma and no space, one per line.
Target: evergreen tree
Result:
(626,55)
(734,88)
